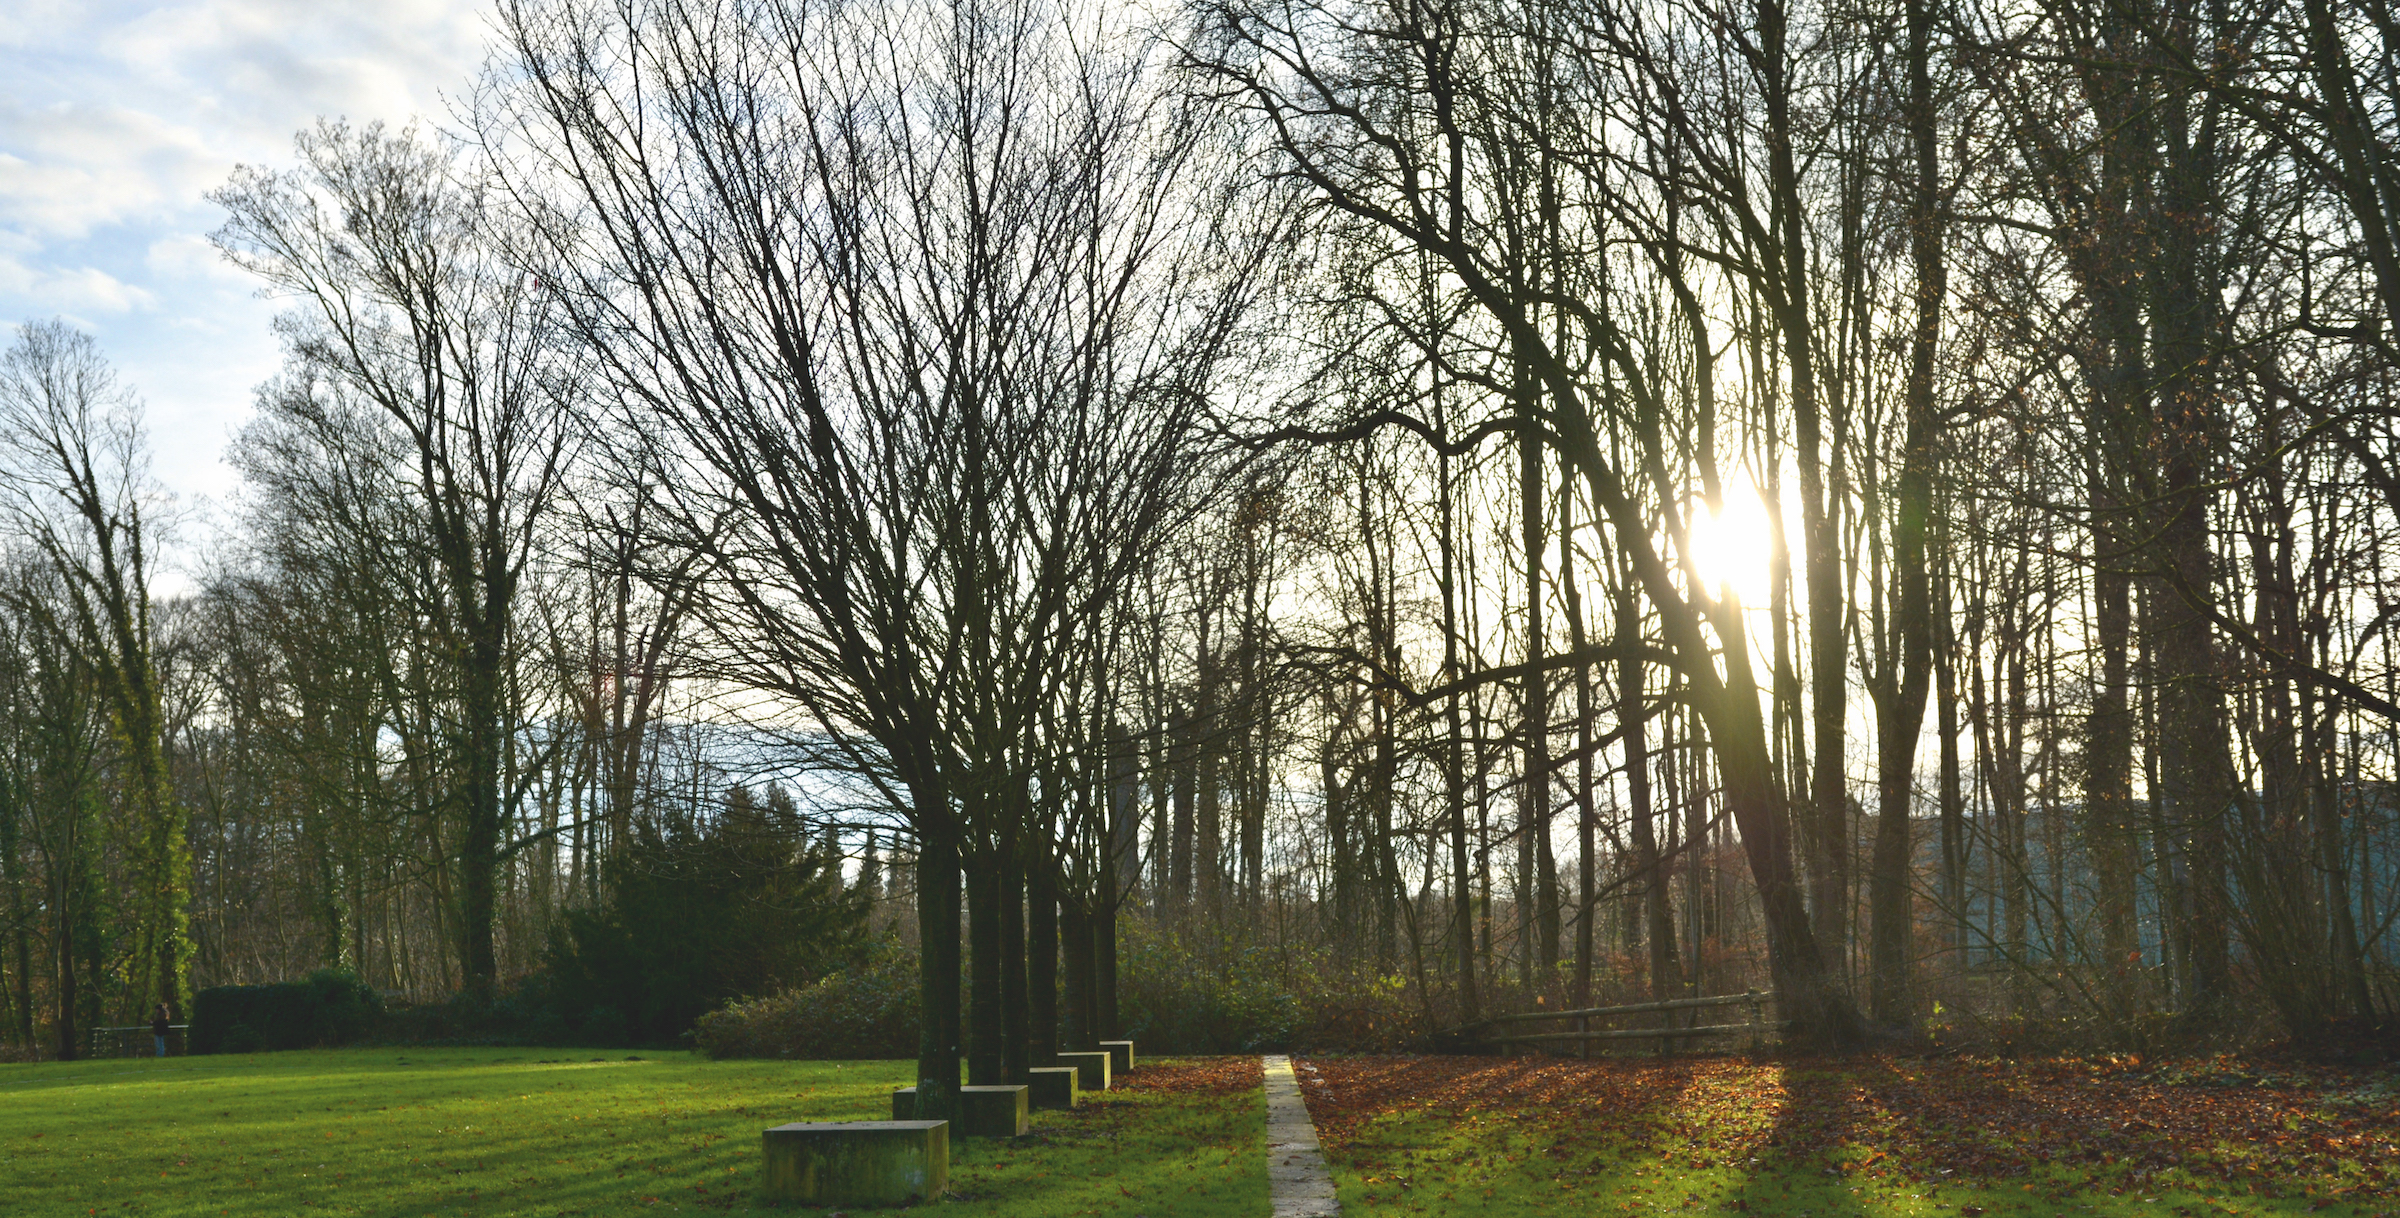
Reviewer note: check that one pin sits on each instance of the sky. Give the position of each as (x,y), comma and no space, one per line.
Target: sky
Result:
(115,120)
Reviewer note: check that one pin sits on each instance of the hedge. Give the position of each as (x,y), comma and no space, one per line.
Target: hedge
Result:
(328,1008)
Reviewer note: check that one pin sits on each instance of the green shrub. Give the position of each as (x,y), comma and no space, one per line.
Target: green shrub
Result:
(1172,998)
(863,1012)
(703,909)
(1186,991)
(522,1012)
(331,1007)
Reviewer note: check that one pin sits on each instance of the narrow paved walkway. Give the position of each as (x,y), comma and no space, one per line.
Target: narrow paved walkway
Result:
(1297,1181)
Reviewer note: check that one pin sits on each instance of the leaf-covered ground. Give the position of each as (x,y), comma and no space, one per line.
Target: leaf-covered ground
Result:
(530,1132)
(1875,1135)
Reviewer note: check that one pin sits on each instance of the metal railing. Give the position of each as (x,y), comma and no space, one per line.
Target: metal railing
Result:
(135,1041)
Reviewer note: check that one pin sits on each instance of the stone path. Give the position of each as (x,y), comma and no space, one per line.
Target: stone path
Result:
(1297,1181)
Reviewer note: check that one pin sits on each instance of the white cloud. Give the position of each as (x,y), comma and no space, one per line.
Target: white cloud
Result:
(74,289)
(115,120)
(71,167)
(189,256)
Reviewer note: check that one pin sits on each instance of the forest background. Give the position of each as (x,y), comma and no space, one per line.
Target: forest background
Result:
(1387,512)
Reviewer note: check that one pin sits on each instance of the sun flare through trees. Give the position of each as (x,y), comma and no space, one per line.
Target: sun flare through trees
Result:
(1006,524)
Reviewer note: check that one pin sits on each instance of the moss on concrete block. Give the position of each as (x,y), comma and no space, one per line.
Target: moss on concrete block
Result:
(1094,1066)
(994,1112)
(1054,1087)
(862,1163)
(986,1112)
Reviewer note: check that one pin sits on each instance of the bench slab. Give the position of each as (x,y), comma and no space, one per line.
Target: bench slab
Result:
(856,1162)
(1120,1056)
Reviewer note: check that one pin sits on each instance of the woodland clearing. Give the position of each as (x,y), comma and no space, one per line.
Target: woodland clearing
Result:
(525,1132)
(520,1133)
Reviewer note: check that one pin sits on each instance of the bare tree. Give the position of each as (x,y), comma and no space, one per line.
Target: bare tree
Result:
(911,333)
(401,292)
(74,467)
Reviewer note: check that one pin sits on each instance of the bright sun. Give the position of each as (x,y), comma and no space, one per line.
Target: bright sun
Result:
(1732,547)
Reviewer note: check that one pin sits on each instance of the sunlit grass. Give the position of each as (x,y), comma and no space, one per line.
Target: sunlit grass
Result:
(1419,1164)
(1754,1141)
(555,1132)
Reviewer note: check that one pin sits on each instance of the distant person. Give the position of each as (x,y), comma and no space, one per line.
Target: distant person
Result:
(159,1027)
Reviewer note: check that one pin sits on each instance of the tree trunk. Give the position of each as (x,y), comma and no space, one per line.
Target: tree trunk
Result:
(1537,869)
(938,962)
(1828,658)
(13,813)
(1077,1030)
(986,1065)
(1665,973)
(1107,1018)
(1586,744)
(1462,874)
(1890,887)
(1696,863)
(1117,865)
(1208,860)
(2349,961)
(1257,761)
(2012,873)
(2110,829)
(2196,764)
(2119,410)
(1807,990)
(66,931)
(479,838)
(1016,1014)
(1179,847)
(1953,792)
(1341,881)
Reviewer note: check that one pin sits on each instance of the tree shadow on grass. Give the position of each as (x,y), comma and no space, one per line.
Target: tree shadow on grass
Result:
(1806,1162)
(1481,1135)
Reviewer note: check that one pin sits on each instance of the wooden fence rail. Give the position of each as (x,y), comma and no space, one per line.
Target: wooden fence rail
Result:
(1756,1025)
(1640,1008)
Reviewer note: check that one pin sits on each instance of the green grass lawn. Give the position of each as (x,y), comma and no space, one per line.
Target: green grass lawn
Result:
(1871,1136)
(506,1132)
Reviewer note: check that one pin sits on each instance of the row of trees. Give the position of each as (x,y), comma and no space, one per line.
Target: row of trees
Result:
(2089,496)
(1560,501)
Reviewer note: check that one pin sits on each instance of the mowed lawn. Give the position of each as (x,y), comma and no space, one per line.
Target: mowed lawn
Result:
(498,1133)
(1838,1138)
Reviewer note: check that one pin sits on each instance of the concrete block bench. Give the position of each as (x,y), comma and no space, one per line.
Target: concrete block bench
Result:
(1120,1056)
(1054,1087)
(1094,1066)
(863,1163)
(984,1112)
